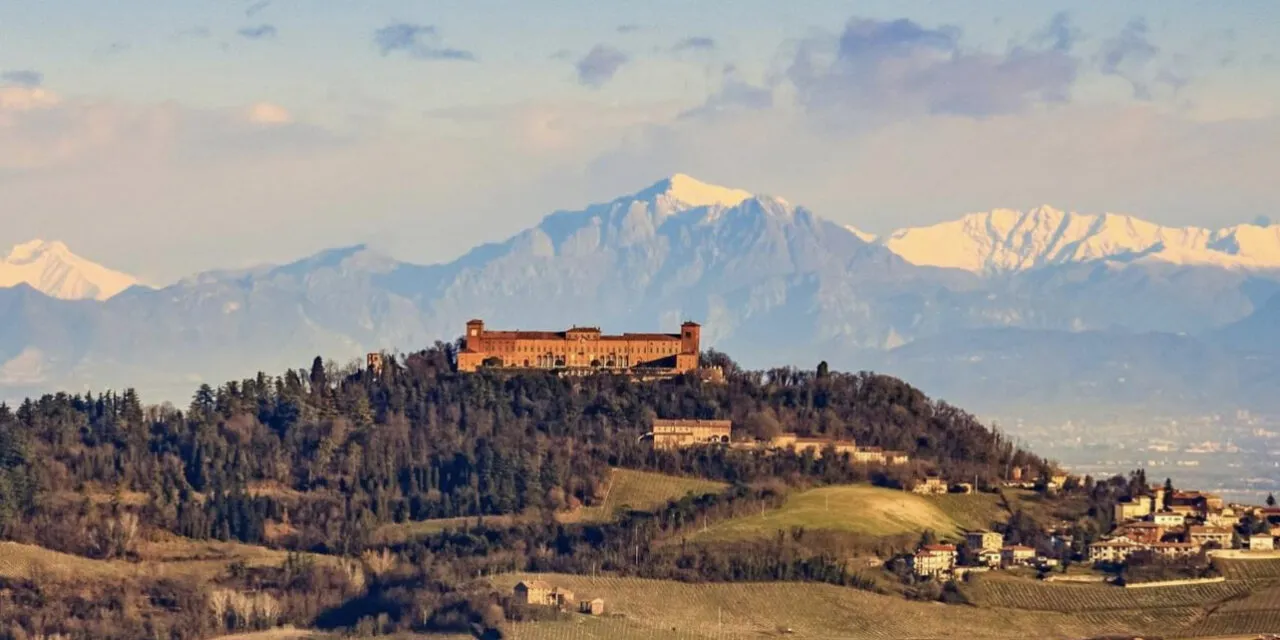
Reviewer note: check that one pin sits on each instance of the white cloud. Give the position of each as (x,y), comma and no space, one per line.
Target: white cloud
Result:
(267,113)
(26,98)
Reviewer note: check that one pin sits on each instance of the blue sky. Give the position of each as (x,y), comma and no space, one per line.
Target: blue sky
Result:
(224,133)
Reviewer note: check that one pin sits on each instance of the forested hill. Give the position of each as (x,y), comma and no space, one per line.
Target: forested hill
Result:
(317,459)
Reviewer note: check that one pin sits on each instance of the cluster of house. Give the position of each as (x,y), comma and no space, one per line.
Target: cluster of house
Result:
(1179,525)
(679,434)
(540,593)
(987,551)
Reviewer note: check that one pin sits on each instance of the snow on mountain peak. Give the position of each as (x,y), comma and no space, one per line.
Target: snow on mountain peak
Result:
(1004,240)
(52,269)
(695,193)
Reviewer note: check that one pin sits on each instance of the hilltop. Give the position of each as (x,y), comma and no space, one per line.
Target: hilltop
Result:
(774,281)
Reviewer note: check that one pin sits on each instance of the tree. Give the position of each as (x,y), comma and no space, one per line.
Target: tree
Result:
(1167,502)
(1271,500)
(824,369)
(928,538)
(318,381)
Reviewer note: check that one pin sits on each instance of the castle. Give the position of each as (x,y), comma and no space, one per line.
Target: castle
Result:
(581,348)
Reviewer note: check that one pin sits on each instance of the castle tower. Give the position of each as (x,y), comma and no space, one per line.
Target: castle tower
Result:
(475,335)
(690,337)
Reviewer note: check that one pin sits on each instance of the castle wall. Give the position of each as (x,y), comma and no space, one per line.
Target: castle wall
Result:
(580,348)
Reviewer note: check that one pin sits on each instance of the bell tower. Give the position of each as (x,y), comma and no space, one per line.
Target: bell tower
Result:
(690,337)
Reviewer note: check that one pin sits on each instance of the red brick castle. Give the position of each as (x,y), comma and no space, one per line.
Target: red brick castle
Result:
(582,348)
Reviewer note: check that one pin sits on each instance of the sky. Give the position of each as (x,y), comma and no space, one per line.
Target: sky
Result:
(164,139)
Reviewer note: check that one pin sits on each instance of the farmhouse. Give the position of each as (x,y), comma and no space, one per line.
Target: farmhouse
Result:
(934,560)
(1113,550)
(1016,555)
(541,593)
(1222,537)
(980,540)
(676,434)
(932,485)
(593,607)
(989,558)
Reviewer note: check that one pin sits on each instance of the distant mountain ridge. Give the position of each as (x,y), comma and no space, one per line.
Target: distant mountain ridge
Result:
(51,268)
(1004,240)
(772,282)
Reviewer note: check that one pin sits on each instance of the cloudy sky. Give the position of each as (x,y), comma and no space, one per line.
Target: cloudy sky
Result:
(168,138)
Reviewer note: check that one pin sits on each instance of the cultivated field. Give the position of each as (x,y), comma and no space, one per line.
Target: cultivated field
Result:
(654,608)
(1001,592)
(1260,569)
(860,509)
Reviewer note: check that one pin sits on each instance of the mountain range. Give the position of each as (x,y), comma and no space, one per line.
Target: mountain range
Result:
(1005,312)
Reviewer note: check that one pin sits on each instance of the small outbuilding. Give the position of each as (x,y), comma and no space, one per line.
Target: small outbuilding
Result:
(593,607)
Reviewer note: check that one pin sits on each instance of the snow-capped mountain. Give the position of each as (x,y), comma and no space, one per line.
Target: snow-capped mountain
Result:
(52,269)
(774,283)
(1003,240)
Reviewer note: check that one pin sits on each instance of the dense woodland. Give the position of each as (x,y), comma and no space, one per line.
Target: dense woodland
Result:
(316,460)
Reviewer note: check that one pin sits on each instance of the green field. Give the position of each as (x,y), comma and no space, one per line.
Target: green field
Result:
(859,509)
(972,511)
(645,491)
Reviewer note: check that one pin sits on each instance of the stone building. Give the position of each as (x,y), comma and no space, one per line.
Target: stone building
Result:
(675,434)
(1114,550)
(593,607)
(541,593)
(816,445)
(932,485)
(979,540)
(581,348)
(1016,555)
(934,560)
(1222,537)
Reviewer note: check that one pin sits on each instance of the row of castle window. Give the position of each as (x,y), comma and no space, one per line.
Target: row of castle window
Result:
(531,349)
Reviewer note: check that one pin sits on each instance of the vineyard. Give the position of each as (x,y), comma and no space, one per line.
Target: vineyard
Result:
(1236,623)
(1265,569)
(809,610)
(1067,598)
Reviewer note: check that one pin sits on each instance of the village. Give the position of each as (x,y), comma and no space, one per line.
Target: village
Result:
(1160,526)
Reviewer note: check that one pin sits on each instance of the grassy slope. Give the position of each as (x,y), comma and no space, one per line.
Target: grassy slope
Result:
(653,608)
(174,557)
(860,509)
(645,491)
